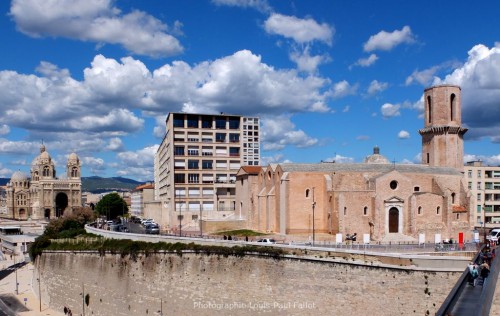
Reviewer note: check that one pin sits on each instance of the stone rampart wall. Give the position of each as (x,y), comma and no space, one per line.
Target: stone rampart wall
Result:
(198,284)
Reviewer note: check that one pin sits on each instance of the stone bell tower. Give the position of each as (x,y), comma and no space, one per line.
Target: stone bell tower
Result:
(442,135)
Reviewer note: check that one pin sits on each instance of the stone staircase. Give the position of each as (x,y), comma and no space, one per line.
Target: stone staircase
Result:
(397,237)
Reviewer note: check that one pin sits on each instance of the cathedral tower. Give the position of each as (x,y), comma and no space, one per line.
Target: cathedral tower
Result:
(442,135)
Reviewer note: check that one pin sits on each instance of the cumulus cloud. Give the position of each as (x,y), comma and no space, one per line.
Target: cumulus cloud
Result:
(300,30)
(339,159)
(479,78)
(423,77)
(260,5)
(95,165)
(4,129)
(376,87)
(388,40)
(389,110)
(342,89)
(141,158)
(115,144)
(306,62)
(5,172)
(403,135)
(366,62)
(96,21)
(279,132)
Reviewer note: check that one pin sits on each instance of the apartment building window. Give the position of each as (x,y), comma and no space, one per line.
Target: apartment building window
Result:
(193,164)
(192,121)
(193,178)
(478,208)
(179,151)
(206,122)
(179,178)
(469,173)
(234,123)
(479,173)
(220,137)
(220,123)
(206,164)
(234,151)
(193,151)
(470,185)
(479,196)
(479,185)
(234,138)
(178,120)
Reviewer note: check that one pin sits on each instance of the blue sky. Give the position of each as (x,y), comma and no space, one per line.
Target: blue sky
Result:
(329,79)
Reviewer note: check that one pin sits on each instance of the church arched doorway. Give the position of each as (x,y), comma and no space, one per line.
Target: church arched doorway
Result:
(46,213)
(393,220)
(61,204)
(22,214)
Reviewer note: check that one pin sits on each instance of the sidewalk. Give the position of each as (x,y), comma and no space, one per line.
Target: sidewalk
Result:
(26,302)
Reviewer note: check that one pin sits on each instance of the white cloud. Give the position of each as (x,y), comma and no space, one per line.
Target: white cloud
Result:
(306,62)
(141,158)
(487,160)
(95,165)
(5,172)
(403,135)
(17,147)
(339,159)
(97,21)
(377,86)
(366,62)
(346,109)
(279,132)
(390,110)
(260,5)
(342,89)
(300,30)
(479,78)
(115,144)
(4,129)
(363,137)
(388,40)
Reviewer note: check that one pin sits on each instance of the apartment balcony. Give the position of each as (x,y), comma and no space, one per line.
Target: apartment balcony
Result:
(225,183)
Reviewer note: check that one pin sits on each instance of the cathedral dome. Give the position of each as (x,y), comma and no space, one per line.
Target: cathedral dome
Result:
(376,158)
(19,176)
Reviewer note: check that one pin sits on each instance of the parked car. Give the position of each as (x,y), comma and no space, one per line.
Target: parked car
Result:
(152,229)
(267,241)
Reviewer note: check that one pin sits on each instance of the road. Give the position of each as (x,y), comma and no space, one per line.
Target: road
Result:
(9,305)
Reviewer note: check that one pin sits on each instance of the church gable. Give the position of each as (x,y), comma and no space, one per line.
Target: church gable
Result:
(394,199)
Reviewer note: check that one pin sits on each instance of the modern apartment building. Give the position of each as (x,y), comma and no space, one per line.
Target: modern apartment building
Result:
(484,185)
(142,194)
(197,162)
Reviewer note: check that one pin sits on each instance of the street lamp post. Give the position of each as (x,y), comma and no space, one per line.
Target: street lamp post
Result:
(15,267)
(313,206)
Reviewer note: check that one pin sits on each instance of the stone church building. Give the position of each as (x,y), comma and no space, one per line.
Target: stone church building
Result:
(44,196)
(384,200)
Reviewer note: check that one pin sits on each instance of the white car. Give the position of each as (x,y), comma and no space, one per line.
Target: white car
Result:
(267,241)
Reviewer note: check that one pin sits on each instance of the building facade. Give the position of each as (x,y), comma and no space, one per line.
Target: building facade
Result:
(140,196)
(484,185)
(44,196)
(385,201)
(197,162)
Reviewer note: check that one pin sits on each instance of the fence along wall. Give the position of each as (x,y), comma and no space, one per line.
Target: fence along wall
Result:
(210,284)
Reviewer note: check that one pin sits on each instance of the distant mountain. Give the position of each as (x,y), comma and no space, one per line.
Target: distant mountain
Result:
(98,184)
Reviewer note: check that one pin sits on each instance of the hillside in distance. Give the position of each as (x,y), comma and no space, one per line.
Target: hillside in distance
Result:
(98,185)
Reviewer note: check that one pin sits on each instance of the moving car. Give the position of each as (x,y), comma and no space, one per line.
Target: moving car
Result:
(494,235)
(267,241)
(152,229)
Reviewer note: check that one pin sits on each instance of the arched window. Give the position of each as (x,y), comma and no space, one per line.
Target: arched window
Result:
(438,210)
(419,211)
(307,193)
(46,171)
(452,106)
(365,210)
(429,109)
(74,172)
(345,210)
(453,198)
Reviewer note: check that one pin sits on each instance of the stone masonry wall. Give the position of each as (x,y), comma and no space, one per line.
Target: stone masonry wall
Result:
(195,284)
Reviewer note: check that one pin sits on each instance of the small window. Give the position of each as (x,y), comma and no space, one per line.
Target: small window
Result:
(393,184)
(345,210)
(365,211)
(453,198)
(458,215)
(307,193)
(419,211)
(438,210)
(416,189)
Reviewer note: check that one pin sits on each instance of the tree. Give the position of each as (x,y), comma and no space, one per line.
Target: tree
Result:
(111,205)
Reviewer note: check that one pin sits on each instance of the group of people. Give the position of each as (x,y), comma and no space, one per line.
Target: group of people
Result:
(483,269)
